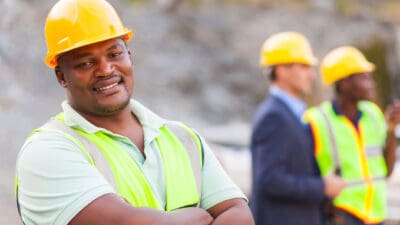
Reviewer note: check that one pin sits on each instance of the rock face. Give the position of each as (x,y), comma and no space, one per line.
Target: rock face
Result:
(198,65)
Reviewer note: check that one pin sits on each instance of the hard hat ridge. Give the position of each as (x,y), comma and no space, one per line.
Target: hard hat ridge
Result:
(342,62)
(286,48)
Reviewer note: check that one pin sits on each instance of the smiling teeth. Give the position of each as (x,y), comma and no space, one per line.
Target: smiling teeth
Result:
(107,87)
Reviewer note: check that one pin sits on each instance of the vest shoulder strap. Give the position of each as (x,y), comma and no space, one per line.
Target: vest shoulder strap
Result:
(191,145)
(332,140)
(97,156)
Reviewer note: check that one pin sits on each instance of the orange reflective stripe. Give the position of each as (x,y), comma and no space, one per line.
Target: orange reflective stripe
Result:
(360,147)
(316,134)
(369,197)
(360,139)
(355,212)
(368,181)
(361,150)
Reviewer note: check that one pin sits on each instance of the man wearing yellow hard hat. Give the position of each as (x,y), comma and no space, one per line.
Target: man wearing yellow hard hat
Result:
(286,185)
(107,159)
(353,138)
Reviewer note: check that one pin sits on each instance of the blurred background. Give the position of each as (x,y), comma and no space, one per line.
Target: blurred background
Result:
(195,61)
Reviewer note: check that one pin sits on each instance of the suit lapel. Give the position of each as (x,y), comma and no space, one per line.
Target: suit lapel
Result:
(291,117)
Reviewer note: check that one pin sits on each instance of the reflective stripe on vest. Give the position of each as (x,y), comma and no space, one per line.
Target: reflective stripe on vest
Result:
(181,151)
(362,164)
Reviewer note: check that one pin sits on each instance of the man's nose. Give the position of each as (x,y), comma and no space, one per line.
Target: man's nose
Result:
(105,68)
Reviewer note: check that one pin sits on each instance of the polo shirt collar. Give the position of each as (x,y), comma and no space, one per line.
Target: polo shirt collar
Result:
(296,105)
(337,111)
(150,121)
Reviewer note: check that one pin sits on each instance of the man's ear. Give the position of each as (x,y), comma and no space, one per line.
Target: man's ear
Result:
(60,77)
(343,85)
(130,56)
(280,72)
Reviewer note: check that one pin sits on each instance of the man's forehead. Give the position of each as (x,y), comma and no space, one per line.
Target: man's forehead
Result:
(106,45)
(361,75)
(88,50)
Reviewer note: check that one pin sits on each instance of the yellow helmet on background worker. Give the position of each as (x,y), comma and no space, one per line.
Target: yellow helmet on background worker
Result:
(343,62)
(71,24)
(286,48)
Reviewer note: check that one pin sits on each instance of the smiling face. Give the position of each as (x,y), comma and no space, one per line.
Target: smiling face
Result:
(98,77)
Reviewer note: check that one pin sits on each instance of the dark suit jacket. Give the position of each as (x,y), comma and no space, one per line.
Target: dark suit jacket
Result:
(286,188)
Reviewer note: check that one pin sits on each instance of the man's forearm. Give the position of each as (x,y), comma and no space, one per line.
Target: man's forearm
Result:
(188,216)
(111,209)
(389,152)
(392,116)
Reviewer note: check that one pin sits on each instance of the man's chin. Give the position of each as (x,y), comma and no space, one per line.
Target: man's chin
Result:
(112,109)
(307,92)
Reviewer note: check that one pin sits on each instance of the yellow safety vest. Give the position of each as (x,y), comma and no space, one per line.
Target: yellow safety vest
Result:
(181,151)
(358,155)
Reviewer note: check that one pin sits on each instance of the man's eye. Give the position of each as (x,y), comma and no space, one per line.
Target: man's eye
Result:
(115,54)
(84,65)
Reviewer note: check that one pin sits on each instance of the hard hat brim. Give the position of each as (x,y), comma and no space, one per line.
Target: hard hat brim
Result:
(51,58)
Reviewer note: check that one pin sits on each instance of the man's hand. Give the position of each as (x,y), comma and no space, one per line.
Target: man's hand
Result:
(196,216)
(392,116)
(334,184)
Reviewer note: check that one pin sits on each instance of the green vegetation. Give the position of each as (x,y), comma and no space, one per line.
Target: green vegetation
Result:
(345,7)
(386,10)
(189,2)
(138,1)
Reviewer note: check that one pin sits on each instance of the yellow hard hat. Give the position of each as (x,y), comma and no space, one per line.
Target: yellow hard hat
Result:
(343,62)
(285,48)
(75,23)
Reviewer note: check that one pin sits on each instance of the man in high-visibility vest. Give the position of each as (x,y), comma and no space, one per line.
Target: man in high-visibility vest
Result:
(287,187)
(107,159)
(352,137)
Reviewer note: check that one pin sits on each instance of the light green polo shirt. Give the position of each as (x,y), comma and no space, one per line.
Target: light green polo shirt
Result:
(56,181)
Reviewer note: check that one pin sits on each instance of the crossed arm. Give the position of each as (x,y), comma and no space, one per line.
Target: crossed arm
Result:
(111,209)
(48,160)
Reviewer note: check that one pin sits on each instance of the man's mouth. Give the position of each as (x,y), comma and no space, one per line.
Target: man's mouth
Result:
(106,87)
(107,84)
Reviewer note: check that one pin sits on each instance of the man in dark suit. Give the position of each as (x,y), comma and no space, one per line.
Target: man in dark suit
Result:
(287,188)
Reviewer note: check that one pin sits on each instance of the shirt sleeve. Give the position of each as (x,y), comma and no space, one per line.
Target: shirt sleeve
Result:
(55,180)
(217,186)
